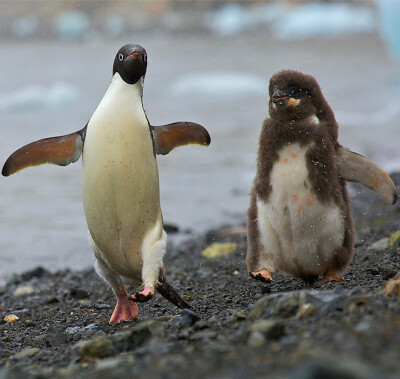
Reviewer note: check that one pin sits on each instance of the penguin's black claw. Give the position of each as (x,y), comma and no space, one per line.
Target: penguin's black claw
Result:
(145,295)
(141,298)
(260,277)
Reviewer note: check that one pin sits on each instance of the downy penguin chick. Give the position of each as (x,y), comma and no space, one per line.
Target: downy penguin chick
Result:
(120,191)
(300,217)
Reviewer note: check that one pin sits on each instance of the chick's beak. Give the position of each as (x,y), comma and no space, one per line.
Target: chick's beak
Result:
(279,96)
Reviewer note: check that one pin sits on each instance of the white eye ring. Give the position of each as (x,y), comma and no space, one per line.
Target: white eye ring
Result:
(121,57)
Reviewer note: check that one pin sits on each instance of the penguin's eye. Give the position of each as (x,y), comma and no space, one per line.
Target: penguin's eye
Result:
(144,58)
(294,91)
(121,57)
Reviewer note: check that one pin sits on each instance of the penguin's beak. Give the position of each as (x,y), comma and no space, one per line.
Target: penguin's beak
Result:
(279,97)
(134,54)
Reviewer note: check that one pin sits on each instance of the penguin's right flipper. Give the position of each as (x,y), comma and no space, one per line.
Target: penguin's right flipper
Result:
(355,167)
(167,137)
(60,151)
(168,292)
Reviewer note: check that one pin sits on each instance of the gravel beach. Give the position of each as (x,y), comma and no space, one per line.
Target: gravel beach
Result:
(246,329)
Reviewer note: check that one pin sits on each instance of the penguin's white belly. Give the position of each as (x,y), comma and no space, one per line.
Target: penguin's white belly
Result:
(299,233)
(120,187)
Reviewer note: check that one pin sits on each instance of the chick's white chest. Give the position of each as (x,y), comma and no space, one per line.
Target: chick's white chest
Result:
(295,227)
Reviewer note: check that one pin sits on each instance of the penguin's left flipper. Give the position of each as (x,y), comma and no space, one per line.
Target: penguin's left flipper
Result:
(60,151)
(355,167)
(167,137)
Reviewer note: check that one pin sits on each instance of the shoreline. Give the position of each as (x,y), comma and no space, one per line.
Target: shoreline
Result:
(287,328)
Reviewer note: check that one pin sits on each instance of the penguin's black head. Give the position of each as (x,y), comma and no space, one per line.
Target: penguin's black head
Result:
(293,96)
(131,63)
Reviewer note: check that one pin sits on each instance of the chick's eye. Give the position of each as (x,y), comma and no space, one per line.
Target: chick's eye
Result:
(294,91)
(121,57)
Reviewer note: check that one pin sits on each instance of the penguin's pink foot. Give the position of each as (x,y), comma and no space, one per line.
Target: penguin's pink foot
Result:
(125,310)
(331,276)
(143,296)
(264,276)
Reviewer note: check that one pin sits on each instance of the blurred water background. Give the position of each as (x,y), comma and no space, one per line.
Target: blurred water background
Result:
(209,62)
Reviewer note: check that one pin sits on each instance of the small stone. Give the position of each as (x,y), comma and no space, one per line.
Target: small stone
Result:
(388,271)
(40,340)
(11,318)
(102,306)
(29,352)
(29,323)
(240,315)
(55,336)
(14,279)
(256,339)
(186,297)
(200,325)
(287,307)
(307,310)
(379,245)
(77,293)
(355,301)
(271,329)
(188,318)
(217,249)
(38,272)
(24,290)
(362,328)
(392,287)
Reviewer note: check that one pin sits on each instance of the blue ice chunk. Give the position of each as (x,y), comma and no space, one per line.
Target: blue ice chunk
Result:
(34,98)
(71,25)
(389,25)
(24,26)
(324,20)
(224,84)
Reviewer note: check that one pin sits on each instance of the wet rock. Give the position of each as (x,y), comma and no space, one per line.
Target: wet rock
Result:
(138,335)
(307,310)
(78,293)
(217,249)
(38,272)
(55,336)
(363,328)
(96,348)
(15,373)
(387,270)
(27,353)
(256,340)
(188,318)
(40,340)
(287,306)
(14,279)
(259,308)
(270,329)
(29,323)
(171,228)
(355,301)
(323,368)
